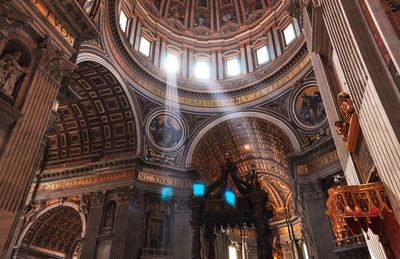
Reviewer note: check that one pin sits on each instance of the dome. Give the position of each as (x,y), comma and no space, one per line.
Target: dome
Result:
(204,19)
(207,55)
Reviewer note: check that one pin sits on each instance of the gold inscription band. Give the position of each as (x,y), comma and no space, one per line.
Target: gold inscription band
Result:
(82,181)
(316,164)
(54,21)
(162,180)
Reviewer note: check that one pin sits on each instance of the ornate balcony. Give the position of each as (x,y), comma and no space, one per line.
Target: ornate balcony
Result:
(357,208)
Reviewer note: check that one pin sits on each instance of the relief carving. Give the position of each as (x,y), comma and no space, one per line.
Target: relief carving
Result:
(109,221)
(126,194)
(31,210)
(53,61)
(84,204)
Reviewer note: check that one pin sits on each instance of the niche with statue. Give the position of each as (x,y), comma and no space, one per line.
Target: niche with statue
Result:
(108,218)
(14,62)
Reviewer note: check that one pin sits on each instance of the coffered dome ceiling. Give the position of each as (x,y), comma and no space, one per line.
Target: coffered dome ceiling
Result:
(209,19)
(141,34)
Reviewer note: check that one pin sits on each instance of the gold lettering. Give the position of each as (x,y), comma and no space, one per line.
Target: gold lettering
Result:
(54,21)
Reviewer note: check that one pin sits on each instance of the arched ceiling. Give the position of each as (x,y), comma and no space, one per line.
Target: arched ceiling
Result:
(252,143)
(99,123)
(57,230)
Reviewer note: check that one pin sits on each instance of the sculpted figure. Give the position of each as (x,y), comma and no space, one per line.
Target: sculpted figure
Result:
(10,71)
(84,205)
(31,210)
(110,216)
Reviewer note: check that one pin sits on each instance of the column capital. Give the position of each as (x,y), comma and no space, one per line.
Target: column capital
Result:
(126,194)
(312,190)
(53,61)
(95,199)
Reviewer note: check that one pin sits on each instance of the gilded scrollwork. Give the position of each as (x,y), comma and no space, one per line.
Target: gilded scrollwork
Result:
(346,108)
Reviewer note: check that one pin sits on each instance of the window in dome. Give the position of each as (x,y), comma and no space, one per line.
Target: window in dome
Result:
(202,69)
(144,46)
(289,34)
(123,20)
(233,254)
(233,67)
(171,63)
(262,55)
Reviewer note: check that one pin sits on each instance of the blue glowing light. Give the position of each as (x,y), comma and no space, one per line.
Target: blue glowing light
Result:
(199,189)
(230,198)
(166,193)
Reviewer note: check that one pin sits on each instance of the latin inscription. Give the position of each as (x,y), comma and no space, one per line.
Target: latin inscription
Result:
(54,21)
(318,163)
(218,103)
(162,180)
(106,177)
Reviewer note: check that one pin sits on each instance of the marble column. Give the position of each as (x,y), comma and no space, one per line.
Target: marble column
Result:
(94,217)
(191,63)
(128,225)
(214,67)
(210,237)
(327,89)
(271,48)
(138,34)
(321,230)
(277,42)
(250,64)
(157,51)
(182,229)
(132,30)
(20,152)
(221,74)
(243,58)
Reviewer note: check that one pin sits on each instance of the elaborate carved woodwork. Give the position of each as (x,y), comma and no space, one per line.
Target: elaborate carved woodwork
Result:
(356,208)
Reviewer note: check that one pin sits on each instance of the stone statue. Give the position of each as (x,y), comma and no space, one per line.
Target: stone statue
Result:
(84,205)
(10,72)
(110,216)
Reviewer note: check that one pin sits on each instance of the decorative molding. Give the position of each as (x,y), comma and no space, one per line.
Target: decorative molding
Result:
(85,181)
(317,164)
(164,180)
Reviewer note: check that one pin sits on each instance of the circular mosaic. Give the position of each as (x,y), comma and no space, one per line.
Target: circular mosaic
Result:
(308,107)
(165,131)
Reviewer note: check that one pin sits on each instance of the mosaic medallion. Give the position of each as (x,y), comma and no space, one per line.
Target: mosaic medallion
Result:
(165,131)
(308,107)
